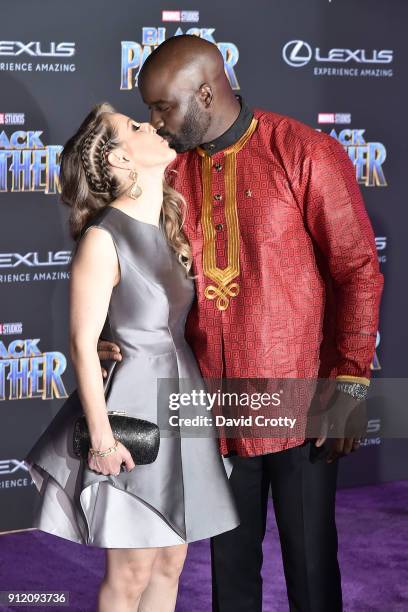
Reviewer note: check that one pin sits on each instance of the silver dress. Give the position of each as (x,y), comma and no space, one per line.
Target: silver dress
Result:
(185,494)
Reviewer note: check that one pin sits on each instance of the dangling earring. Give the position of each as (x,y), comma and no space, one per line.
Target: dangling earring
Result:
(134,190)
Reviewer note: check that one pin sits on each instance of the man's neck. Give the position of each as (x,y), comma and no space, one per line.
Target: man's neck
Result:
(235,130)
(226,118)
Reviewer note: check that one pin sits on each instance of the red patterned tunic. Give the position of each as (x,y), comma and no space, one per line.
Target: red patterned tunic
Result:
(288,278)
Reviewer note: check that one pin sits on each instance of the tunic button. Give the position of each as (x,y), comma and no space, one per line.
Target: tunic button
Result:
(218,166)
(219,226)
(211,145)
(218,196)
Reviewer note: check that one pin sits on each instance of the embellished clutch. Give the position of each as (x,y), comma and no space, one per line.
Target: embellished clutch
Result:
(141,438)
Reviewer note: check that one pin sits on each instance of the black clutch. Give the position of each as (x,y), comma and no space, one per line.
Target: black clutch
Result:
(141,438)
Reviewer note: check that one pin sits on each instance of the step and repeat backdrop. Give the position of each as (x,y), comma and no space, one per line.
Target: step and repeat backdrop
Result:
(337,65)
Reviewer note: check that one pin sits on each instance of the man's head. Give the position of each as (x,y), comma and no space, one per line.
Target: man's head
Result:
(183,82)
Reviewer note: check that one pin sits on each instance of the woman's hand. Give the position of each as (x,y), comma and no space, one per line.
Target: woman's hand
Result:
(110,464)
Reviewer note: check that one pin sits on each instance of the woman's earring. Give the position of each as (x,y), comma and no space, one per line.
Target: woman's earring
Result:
(134,190)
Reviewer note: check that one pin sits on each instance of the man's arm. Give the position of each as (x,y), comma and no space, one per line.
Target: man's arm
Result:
(338,223)
(335,216)
(108,352)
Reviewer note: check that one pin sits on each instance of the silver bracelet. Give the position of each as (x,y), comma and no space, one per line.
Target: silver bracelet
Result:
(355,389)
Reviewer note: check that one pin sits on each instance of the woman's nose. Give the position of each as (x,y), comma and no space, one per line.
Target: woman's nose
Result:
(148,127)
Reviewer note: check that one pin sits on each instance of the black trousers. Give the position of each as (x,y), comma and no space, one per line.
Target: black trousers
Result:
(303,493)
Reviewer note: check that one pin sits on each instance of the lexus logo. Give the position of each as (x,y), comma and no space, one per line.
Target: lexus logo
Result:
(297,53)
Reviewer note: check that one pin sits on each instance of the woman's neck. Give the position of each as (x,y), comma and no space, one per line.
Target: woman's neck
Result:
(147,207)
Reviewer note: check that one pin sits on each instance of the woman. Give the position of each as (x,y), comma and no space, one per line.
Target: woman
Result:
(132,262)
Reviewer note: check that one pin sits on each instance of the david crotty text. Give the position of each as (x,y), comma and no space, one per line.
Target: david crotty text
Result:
(248,421)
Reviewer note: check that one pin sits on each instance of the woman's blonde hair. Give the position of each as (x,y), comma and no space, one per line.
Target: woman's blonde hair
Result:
(88,184)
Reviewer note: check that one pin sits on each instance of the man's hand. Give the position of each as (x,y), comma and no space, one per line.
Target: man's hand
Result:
(342,425)
(108,351)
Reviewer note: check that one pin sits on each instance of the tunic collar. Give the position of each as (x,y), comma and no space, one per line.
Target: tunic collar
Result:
(233,134)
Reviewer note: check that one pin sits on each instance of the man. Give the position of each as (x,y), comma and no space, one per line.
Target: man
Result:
(288,287)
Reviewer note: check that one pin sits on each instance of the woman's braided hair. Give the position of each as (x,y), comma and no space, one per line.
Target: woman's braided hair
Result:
(88,183)
(93,156)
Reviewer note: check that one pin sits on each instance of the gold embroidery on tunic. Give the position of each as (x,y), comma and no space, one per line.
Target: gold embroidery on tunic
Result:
(223,288)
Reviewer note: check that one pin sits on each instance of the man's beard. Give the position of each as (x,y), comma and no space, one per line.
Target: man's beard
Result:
(192,131)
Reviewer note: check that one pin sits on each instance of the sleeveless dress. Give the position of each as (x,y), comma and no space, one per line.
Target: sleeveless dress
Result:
(185,494)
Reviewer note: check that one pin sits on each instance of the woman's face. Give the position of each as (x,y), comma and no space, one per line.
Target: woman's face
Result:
(141,143)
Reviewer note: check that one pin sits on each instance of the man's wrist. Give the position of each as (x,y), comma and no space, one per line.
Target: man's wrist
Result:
(355,386)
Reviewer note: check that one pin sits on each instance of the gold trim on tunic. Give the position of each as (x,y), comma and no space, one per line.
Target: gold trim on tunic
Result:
(222,288)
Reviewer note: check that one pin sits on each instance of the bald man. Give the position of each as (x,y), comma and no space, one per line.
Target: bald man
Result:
(288,286)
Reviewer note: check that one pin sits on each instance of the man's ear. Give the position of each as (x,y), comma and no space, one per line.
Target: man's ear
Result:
(205,93)
(118,158)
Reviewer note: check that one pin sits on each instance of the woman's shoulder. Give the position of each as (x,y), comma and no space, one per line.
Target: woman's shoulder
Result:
(101,217)
(94,252)
(91,238)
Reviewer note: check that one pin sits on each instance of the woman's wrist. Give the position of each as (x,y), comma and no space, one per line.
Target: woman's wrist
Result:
(102,440)
(104,452)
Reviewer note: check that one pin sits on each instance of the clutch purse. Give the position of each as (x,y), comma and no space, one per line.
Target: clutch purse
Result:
(141,438)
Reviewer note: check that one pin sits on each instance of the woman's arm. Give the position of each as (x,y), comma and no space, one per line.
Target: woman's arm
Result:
(94,273)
